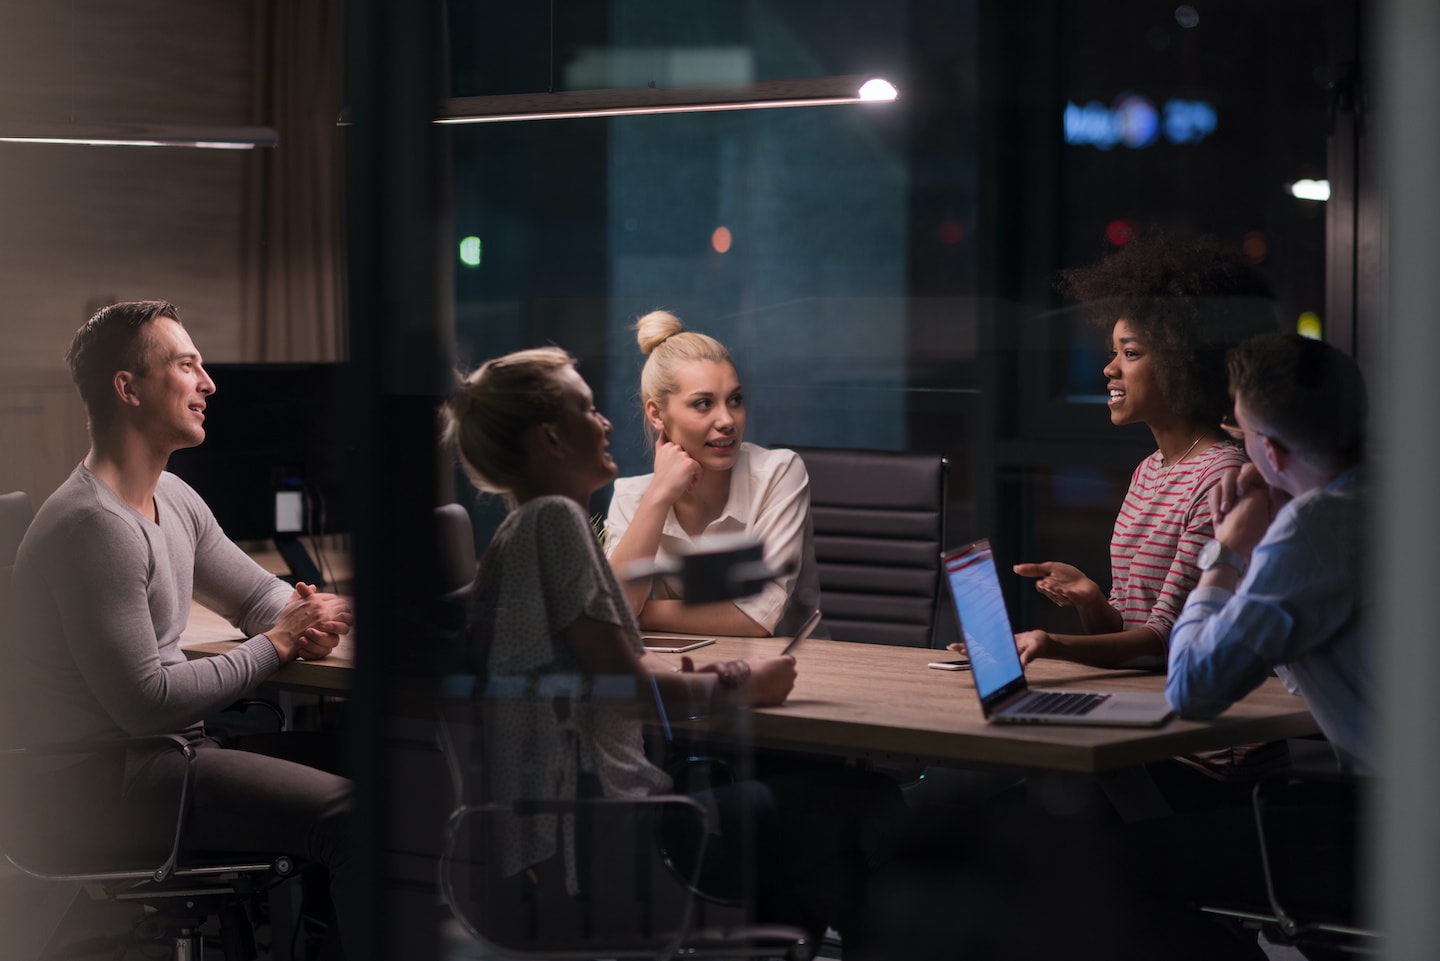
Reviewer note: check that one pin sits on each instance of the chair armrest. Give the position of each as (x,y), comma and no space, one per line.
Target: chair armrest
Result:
(108,746)
(282,723)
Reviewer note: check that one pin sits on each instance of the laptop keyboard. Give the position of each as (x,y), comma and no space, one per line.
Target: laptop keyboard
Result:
(1054,702)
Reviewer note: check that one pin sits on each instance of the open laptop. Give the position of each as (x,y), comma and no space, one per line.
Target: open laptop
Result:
(995,661)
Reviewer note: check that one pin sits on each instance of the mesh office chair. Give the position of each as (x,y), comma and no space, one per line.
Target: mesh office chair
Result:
(1309,828)
(879,522)
(633,901)
(182,891)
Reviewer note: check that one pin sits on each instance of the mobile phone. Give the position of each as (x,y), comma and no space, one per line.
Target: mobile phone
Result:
(961,664)
(805,631)
(674,643)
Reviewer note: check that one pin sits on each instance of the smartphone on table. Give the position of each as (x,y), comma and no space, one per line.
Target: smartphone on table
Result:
(958,664)
(674,643)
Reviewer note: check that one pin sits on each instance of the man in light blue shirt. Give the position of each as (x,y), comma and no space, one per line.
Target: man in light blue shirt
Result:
(1282,583)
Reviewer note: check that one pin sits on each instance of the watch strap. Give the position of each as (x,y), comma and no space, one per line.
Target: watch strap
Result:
(1221,554)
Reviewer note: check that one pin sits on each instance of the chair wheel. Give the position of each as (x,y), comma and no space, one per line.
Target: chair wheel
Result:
(284,866)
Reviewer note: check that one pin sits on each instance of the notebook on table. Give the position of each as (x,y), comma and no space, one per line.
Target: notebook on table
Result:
(1005,698)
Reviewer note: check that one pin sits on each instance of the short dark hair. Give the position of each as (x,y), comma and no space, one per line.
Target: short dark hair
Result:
(1189,302)
(113,340)
(1309,395)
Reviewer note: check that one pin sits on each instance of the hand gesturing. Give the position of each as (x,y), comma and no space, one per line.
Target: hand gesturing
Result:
(1063,584)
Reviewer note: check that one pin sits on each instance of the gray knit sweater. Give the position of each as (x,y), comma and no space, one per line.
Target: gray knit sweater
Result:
(100,596)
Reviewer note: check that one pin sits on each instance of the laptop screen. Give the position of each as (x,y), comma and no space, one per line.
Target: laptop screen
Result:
(980,609)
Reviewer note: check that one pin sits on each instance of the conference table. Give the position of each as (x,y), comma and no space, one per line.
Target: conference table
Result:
(882,704)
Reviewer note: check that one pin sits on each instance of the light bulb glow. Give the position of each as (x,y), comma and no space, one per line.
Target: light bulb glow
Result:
(1311,189)
(878,89)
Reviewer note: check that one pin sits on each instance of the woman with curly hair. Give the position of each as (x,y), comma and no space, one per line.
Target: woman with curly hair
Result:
(1174,309)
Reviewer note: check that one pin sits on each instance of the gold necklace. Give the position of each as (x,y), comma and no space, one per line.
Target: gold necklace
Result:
(1169,467)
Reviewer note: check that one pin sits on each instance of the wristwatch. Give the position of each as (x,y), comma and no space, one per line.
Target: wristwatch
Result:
(1214,553)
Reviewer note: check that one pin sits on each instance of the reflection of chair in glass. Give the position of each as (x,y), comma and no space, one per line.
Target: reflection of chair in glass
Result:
(1309,828)
(182,889)
(630,898)
(879,521)
(455,544)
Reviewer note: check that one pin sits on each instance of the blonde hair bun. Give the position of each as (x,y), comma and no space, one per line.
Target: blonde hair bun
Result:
(655,328)
(668,347)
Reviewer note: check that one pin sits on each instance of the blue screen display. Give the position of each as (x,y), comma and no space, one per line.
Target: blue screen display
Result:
(981,608)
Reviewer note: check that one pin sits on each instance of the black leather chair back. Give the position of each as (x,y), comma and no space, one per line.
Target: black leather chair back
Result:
(15,516)
(879,520)
(455,542)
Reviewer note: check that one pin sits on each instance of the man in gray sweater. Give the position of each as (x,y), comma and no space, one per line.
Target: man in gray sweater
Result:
(101,590)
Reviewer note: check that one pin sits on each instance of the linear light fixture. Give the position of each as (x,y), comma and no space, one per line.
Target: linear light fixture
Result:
(140,135)
(578,104)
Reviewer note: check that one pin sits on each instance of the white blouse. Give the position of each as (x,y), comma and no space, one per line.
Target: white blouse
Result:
(770,501)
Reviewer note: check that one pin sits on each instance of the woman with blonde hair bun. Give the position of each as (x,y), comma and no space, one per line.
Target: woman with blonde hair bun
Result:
(708,480)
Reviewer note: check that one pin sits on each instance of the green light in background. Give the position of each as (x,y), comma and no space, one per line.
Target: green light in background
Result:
(1308,325)
(470,251)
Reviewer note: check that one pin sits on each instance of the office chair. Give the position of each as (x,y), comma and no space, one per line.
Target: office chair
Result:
(15,515)
(455,541)
(632,902)
(181,890)
(1309,825)
(879,523)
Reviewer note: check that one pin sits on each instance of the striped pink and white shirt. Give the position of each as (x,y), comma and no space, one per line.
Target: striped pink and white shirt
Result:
(1162,525)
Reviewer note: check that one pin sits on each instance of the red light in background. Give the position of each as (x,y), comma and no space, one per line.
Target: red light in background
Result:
(720,239)
(1254,247)
(950,232)
(1119,232)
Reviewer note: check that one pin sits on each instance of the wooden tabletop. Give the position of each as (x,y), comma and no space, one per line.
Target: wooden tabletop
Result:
(883,703)
(207,634)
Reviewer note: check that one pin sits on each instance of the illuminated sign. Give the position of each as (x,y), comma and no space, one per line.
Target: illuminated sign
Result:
(1132,120)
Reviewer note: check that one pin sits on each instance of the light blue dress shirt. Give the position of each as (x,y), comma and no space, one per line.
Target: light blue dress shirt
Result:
(1300,610)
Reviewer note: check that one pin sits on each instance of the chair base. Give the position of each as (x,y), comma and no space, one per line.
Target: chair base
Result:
(1317,942)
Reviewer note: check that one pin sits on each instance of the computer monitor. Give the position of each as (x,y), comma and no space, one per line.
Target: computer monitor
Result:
(274,464)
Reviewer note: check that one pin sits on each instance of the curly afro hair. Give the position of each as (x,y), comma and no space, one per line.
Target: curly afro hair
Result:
(1189,302)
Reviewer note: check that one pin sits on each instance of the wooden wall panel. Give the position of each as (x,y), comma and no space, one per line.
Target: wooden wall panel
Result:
(83,226)
(42,433)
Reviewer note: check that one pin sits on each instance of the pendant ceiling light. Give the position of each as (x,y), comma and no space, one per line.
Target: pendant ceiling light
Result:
(640,101)
(103,134)
(140,135)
